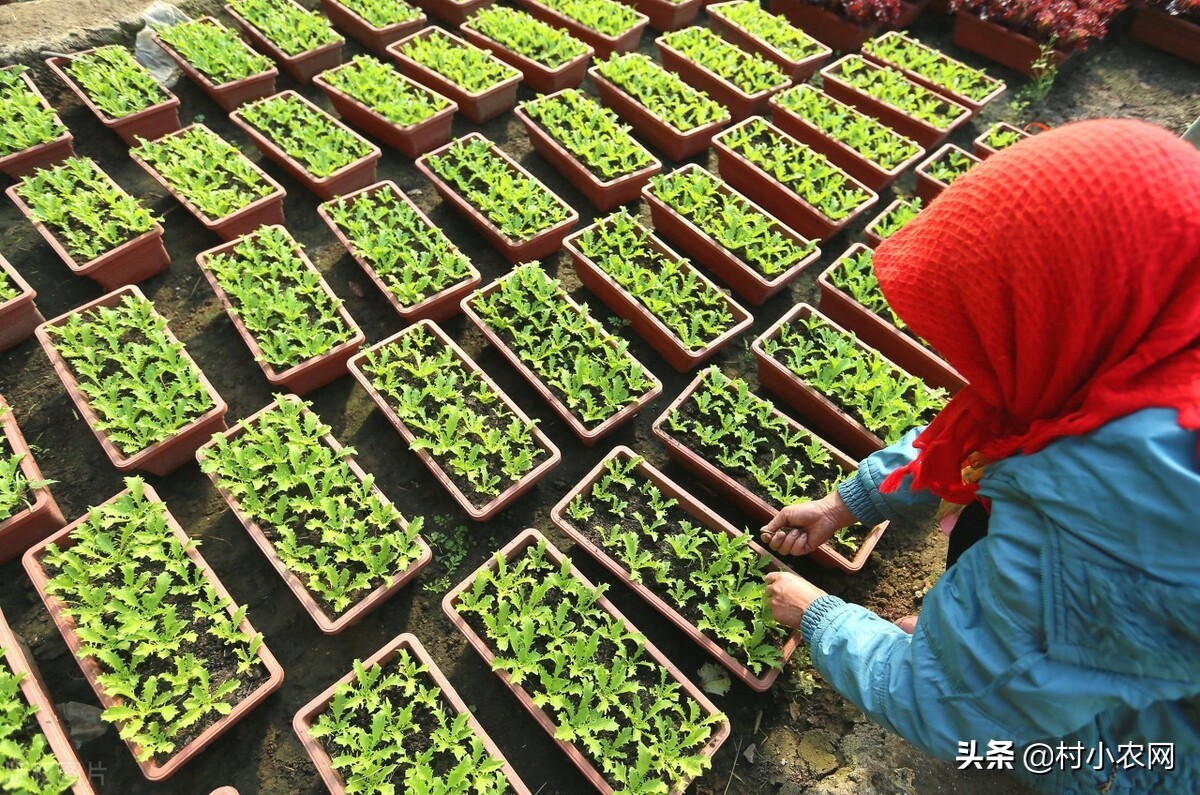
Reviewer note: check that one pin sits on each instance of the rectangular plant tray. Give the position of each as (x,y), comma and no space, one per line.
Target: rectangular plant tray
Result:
(666,15)
(32,524)
(930,187)
(514,548)
(19,316)
(228,95)
(302,67)
(827,27)
(538,77)
(478,513)
(327,624)
(983,150)
(436,307)
(798,71)
(18,164)
(869,235)
(150,123)
(308,714)
(997,43)
(160,458)
(480,106)
(740,104)
(706,518)
(453,12)
(602,44)
(92,671)
(374,39)
(965,101)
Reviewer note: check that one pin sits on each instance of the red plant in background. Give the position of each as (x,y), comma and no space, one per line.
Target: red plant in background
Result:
(863,12)
(1071,24)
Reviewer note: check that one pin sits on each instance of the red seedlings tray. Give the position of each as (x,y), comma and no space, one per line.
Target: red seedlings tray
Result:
(18,164)
(160,458)
(930,187)
(510,552)
(537,76)
(798,70)
(19,316)
(827,27)
(41,516)
(1171,33)
(984,150)
(375,39)
(604,45)
(479,106)
(437,307)
(92,670)
(958,96)
(303,722)
(305,376)
(329,624)
(478,512)
(542,244)
(707,519)
(667,15)
(302,67)
(739,103)
(997,43)
(228,95)
(150,123)
(453,12)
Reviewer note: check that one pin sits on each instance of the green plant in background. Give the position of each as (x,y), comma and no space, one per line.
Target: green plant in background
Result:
(903,52)
(592,133)
(888,85)
(749,72)
(584,366)
(670,289)
(383,13)
(382,88)
(168,650)
(867,136)
(854,274)
(454,414)
(806,173)
(770,29)
(279,298)
(390,730)
(1044,70)
(206,170)
(580,664)
(518,205)
(886,400)
(951,165)
(85,210)
(27,765)
(414,260)
(527,35)
(715,581)
(450,546)
(894,219)
(472,69)
(306,133)
(1000,136)
(213,50)
(139,383)
(661,92)
(115,83)
(327,524)
(287,24)
(8,288)
(729,219)
(24,121)
(16,490)
(606,17)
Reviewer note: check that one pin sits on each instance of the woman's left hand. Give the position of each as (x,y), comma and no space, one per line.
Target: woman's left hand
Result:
(789,595)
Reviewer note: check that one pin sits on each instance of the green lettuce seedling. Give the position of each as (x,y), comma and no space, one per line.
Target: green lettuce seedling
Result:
(383,13)
(661,92)
(214,50)
(749,72)
(472,69)
(308,135)
(115,83)
(592,133)
(527,35)
(867,136)
(769,28)
(903,52)
(888,85)
(28,764)
(606,17)
(382,88)
(24,121)
(287,25)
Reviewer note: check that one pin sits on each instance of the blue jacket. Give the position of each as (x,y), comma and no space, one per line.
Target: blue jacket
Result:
(1074,623)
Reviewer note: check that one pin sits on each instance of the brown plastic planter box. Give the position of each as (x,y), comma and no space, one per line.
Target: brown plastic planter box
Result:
(228,95)
(665,15)
(825,26)
(309,714)
(1170,33)
(971,104)
(160,458)
(346,179)
(33,523)
(261,212)
(649,327)
(18,164)
(909,12)
(869,234)
(676,145)
(436,307)
(982,150)
(906,352)
(18,316)
(778,199)
(92,670)
(374,39)
(37,695)
(602,44)
(705,518)
(537,76)
(740,104)
(413,140)
(929,188)
(798,71)
(477,107)
(453,12)
(480,513)
(751,503)
(303,66)
(513,549)
(603,194)
(866,171)
(744,279)
(129,263)
(327,623)
(589,436)
(310,374)
(150,123)
(542,244)
(997,43)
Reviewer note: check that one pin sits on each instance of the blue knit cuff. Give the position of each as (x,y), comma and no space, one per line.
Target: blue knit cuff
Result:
(822,609)
(857,496)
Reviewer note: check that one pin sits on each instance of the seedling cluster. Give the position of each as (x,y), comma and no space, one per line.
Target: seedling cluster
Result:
(382,13)
(854,274)
(592,133)
(770,29)
(894,220)
(999,137)
(606,17)
(663,93)
(592,675)
(890,86)
(288,25)
(306,134)
(749,72)
(381,88)
(935,66)
(166,645)
(214,50)
(470,68)
(24,121)
(115,83)
(8,288)
(864,134)
(15,488)
(527,35)
(27,765)
(951,165)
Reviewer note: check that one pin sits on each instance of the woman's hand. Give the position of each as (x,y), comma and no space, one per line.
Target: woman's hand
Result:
(789,595)
(801,528)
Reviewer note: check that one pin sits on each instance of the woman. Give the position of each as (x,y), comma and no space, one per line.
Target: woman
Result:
(1062,279)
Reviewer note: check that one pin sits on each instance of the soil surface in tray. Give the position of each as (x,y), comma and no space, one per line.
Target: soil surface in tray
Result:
(805,740)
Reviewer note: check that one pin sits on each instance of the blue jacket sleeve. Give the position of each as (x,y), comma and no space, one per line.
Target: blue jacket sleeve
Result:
(861,491)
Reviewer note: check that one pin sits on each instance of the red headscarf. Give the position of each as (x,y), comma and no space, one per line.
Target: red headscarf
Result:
(1061,277)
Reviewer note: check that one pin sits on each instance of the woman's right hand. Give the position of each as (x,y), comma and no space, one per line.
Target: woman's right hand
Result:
(801,528)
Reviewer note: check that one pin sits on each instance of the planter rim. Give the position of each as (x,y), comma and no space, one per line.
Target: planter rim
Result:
(551,71)
(91,670)
(827,74)
(275,51)
(199,76)
(869,229)
(66,137)
(323,83)
(610,40)
(711,128)
(980,146)
(24,291)
(923,168)
(29,468)
(395,49)
(716,9)
(56,62)
(967,102)
(664,47)
(379,31)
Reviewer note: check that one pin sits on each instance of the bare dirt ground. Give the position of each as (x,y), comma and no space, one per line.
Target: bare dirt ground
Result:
(804,741)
